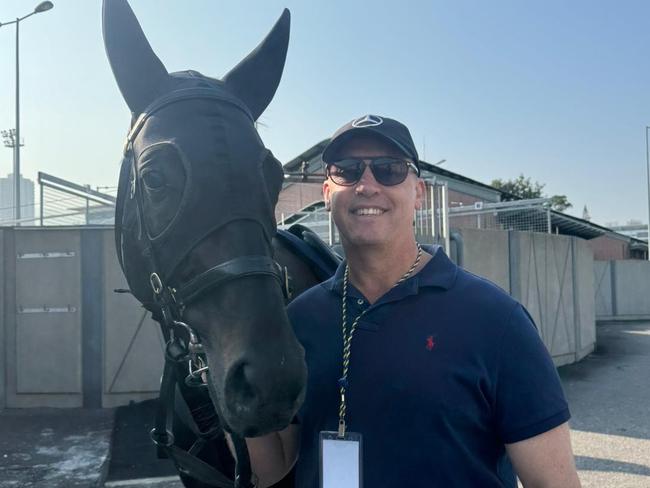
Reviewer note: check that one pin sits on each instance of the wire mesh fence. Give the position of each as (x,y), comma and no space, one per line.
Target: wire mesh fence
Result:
(59,207)
(64,203)
(524,215)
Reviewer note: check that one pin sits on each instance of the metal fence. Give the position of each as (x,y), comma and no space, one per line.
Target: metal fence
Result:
(64,203)
(430,222)
(435,220)
(67,203)
(532,215)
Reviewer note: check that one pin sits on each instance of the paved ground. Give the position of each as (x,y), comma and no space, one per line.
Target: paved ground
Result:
(609,395)
(54,448)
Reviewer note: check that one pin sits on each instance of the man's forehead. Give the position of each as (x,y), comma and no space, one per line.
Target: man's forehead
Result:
(368,144)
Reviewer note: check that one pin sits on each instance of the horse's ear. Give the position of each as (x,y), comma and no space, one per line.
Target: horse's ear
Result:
(257,76)
(139,73)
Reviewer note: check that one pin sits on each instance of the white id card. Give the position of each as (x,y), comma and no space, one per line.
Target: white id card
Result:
(340,460)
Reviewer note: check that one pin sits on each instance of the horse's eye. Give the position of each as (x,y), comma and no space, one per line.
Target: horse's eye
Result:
(153,180)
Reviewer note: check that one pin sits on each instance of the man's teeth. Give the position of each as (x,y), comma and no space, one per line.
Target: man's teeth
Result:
(368,211)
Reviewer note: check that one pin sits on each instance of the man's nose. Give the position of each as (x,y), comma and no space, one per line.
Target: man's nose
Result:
(367,184)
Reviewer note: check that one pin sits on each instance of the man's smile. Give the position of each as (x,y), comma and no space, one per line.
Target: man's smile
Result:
(368,211)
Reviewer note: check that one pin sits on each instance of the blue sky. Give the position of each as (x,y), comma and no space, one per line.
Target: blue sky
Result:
(555,90)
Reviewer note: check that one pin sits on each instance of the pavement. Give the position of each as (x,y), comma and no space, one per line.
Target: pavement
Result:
(608,393)
(609,398)
(51,448)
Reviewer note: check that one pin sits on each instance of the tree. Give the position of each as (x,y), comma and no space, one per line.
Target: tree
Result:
(523,188)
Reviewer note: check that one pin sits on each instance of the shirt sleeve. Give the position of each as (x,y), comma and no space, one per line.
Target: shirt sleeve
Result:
(529,395)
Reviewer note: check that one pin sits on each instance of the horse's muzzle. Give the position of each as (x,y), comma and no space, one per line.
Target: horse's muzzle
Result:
(262,397)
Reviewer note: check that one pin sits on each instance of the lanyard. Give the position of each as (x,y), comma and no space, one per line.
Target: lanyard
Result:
(347,336)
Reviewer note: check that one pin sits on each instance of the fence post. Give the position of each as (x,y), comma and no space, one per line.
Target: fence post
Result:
(330,225)
(444,204)
(433,211)
(41,185)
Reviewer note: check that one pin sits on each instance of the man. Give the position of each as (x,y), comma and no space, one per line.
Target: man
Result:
(442,373)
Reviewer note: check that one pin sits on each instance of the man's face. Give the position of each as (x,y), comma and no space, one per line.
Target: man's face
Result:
(368,213)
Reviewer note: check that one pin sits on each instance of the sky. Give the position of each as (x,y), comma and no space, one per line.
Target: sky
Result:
(554,90)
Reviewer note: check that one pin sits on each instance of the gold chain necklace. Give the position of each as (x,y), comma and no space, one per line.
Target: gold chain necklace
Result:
(347,337)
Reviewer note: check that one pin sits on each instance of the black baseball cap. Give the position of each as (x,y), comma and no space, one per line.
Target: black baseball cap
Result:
(390,130)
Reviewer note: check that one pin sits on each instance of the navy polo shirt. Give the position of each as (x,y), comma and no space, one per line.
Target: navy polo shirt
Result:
(445,369)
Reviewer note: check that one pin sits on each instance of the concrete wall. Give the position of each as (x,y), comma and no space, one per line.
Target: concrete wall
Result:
(67,339)
(622,290)
(551,275)
(603,288)
(584,304)
(133,344)
(3,335)
(486,253)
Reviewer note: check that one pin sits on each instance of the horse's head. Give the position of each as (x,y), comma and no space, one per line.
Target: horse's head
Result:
(198,189)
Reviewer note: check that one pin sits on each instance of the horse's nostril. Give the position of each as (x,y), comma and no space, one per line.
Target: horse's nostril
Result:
(240,389)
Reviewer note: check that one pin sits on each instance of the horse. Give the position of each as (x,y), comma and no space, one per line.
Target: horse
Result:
(196,237)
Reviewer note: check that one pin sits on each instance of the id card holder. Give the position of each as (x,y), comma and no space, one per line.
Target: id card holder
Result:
(340,463)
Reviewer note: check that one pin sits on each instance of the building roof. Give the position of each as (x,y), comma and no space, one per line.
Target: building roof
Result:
(294,168)
(296,171)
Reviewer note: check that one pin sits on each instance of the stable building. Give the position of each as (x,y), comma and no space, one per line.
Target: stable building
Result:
(452,200)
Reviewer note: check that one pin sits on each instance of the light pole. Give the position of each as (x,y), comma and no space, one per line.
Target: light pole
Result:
(41,7)
(647,162)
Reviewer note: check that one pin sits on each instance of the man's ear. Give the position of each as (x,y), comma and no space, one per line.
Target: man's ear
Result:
(420,193)
(327,195)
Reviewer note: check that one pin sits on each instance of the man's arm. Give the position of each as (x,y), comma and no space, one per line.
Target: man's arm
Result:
(272,456)
(546,460)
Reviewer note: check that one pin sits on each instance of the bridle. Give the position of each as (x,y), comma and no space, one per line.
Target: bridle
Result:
(183,344)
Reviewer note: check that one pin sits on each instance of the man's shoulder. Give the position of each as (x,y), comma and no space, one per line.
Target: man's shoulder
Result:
(481,287)
(311,297)
(484,301)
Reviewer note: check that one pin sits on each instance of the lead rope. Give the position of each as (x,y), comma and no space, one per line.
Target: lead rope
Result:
(347,337)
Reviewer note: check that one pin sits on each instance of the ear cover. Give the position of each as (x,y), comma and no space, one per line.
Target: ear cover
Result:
(256,78)
(140,75)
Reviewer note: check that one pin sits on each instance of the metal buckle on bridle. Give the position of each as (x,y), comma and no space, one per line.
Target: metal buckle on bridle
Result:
(196,364)
(156,283)
(164,439)
(286,283)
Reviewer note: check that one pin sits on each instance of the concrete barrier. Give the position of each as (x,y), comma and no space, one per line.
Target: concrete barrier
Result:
(486,253)
(622,290)
(551,275)
(70,341)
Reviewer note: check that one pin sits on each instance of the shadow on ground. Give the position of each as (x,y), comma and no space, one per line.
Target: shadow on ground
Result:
(133,455)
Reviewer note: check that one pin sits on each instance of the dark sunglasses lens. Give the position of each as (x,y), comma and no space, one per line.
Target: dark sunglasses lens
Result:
(389,171)
(346,172)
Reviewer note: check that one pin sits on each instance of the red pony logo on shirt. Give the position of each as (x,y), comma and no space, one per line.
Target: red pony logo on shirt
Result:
(430,343)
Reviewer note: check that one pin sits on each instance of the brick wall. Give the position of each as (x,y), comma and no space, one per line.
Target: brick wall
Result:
(606,248)
(297,196)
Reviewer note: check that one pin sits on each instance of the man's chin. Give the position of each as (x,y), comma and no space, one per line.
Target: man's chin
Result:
(367,240)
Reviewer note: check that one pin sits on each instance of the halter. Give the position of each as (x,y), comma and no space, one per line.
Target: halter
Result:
(171,301)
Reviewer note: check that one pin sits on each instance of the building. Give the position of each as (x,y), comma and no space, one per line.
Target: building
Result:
(302,194)
(634,229)
(27,203)
(469,203)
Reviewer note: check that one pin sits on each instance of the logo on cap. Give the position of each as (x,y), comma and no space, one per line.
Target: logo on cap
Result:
(367,121)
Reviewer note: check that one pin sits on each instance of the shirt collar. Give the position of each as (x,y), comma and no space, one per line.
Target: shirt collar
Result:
(439,272)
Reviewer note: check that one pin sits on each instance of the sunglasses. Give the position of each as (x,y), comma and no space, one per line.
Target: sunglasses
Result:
(387,171)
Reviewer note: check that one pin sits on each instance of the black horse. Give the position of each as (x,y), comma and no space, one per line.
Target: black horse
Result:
(194,230)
